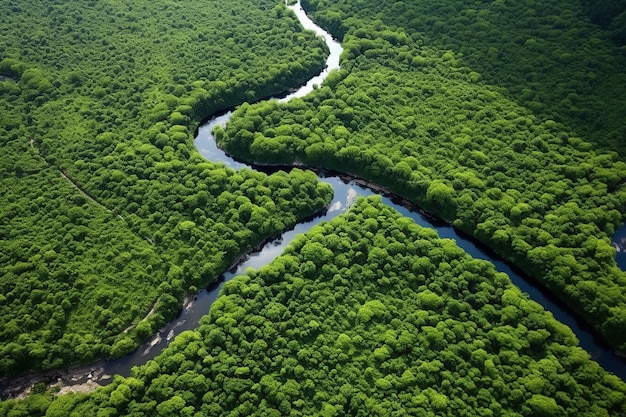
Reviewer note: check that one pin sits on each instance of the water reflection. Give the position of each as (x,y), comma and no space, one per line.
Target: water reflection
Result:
(619,243)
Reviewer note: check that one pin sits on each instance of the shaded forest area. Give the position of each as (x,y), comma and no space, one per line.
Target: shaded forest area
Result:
(505,118)
(611,15)
(106,95)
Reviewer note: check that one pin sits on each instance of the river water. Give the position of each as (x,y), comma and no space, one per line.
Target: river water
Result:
(346,190)
(619,243)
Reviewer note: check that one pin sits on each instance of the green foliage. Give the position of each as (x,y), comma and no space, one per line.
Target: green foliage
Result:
(367,315)
(610,14)
(440,197)
(35,404)
(108,93)
(501,117)
(436,343)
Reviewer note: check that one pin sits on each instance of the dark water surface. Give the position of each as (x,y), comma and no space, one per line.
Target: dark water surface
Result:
(619,243)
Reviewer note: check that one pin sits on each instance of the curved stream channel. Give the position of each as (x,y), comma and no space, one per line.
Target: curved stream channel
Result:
(346,190)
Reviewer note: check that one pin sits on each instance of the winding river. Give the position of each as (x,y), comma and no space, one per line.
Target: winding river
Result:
(346,190)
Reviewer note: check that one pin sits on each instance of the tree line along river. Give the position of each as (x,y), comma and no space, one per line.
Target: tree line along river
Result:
(346,190)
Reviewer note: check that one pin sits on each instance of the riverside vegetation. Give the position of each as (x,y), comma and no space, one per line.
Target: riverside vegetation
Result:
(109,94)
(505,118)
(367,315)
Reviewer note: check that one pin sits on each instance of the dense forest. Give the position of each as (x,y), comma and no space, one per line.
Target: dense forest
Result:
(505,118)
(611,15)
(368,315)
(108,216)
